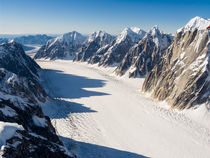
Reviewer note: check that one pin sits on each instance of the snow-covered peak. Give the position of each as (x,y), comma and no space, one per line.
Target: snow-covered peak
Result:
(6,48)
(136,30)
(195,23)
(71,36)
(155,31)
(11,41)
(96,34)
(161,39)
(134,33)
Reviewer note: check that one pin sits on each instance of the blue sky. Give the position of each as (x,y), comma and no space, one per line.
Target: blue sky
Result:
(86,16)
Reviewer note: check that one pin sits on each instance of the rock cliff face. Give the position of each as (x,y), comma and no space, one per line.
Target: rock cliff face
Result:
(24,130)
(182,77)
(142,57)
(65,46)
(94,42)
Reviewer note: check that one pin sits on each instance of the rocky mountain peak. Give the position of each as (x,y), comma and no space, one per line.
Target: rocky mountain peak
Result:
(63,46)
(154,31)
(71,36)
(162,40)
(102,35)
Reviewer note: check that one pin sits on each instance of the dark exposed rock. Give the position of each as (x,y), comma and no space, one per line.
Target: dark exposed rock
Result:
(26,144)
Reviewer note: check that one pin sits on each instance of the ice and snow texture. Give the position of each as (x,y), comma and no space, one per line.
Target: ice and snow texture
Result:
(7,131)
(108,116)
(100,115)
(33,51)
(39,121)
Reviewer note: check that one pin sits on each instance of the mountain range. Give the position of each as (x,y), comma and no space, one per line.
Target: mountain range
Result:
(176,69)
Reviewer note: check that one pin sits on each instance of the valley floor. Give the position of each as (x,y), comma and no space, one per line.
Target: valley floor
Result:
(99,115)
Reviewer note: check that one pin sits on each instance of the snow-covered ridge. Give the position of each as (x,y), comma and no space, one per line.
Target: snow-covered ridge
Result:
(96,34)
(134,33)
(195,23)
(7,131)
(68,38)
(161,39)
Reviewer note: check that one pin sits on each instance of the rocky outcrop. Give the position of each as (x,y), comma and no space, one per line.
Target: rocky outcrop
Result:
(142,57)
(65,46)
(94,42)
(24,130)
(182,77)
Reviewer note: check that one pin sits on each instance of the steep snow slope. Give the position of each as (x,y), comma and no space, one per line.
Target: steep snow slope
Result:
(108,116)
(195,23)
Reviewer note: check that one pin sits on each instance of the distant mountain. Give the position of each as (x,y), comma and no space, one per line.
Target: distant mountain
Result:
(182,77)
(64,46)
(24,130)
(95,41)
(33,39)
(144,55)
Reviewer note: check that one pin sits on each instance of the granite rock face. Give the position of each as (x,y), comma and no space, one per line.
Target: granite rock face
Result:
(142,57)
(20,96)
(65,46)
(182,77)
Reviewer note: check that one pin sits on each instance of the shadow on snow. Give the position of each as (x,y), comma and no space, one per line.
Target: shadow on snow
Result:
(67,86)
(61,86)
(71,86)
(88,150)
